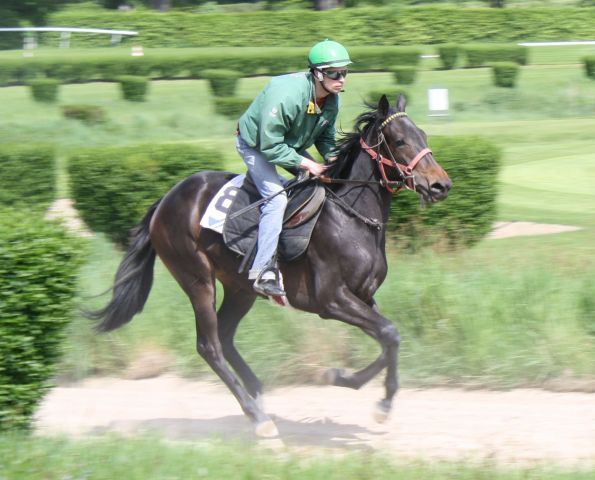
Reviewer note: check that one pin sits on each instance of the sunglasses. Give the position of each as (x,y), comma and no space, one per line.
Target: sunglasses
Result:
(335,75)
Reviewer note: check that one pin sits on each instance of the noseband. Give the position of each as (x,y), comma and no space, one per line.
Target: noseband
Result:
(407,179)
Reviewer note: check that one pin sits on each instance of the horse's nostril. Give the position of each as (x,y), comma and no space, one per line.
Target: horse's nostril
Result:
(440,188)
(437,187)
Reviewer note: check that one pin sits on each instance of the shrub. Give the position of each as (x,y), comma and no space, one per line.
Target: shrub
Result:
(449,55)
(505,74)
(392,93)
(85,113)
(232,107)
(27,175)
(466,216)
(373,25)
(44,89)
(134,88)
(404,74)
(113,187)
(482,55)
(38,267)
(590,66)
(223,82)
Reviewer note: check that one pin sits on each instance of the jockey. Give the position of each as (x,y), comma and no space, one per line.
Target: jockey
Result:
(292,113)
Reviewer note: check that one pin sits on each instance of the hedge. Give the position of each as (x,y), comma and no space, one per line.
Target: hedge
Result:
(482,55)
(38,266)
(505,74)
(403,74)
(89,114)
(590,67)
(114,186)
(223,82)
(187,63)
(44,89)
(27,175)
(449,55)
(133,87)
(466,216)
(374,25)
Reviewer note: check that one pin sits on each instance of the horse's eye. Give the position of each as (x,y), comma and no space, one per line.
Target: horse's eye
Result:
(400,143)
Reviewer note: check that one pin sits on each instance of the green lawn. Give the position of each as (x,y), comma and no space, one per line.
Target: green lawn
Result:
(152,458)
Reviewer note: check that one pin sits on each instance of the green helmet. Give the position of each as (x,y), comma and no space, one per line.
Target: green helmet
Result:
(328,54)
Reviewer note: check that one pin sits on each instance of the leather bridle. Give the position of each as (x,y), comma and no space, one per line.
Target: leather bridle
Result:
(407,179)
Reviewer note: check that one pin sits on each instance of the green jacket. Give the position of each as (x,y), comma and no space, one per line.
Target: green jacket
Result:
(278,124)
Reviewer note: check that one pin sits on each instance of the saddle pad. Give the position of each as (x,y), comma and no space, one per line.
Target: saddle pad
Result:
(240,233)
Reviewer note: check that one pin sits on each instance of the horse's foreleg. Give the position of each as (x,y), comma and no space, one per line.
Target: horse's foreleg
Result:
(353,311)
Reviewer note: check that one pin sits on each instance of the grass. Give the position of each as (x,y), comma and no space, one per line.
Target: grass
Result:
(505,313)
(151,458)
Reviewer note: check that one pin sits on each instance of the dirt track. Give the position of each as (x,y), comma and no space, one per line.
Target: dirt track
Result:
(517,427)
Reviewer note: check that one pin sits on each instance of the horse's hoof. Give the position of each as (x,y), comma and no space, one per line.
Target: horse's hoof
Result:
(381,412)
(266,429)
(331,376)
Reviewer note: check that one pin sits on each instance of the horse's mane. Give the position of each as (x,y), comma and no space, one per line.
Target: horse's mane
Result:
(348,144)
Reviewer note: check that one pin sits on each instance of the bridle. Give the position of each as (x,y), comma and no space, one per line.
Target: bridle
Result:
(407,179)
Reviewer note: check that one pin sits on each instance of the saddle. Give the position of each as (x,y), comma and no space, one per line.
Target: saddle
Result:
(304,205)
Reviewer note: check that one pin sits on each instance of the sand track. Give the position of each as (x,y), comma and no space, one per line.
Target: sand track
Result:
(524,426)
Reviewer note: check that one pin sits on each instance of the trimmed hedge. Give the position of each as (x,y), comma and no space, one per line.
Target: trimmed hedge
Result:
(27,175)
(187,63)
(374,25)
(85,113)
(38,266)
(505,74)
(133,88)
(483,55)
(466,216)
(114,187)
(223,82)
(590,67)
(231,107)
(404,74)
(449,55)
(44,89)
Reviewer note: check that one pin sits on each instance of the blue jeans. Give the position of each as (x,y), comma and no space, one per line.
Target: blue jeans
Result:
(268,182)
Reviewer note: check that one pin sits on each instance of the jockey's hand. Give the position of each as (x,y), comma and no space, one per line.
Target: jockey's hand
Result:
(313,167)
(331,159)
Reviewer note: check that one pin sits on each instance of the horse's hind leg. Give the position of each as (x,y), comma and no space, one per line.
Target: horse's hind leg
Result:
(195,275)
(236,303)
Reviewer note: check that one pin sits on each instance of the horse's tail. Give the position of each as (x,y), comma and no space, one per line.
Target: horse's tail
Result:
(133,281)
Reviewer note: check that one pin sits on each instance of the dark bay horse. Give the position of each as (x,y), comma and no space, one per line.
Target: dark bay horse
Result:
(336,278)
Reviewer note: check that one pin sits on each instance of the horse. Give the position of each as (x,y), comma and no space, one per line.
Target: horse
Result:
(336,278)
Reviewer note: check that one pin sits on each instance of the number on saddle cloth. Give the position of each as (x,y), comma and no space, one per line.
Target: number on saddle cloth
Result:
(303,208)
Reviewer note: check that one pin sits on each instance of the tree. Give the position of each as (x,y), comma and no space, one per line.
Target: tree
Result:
(34,11)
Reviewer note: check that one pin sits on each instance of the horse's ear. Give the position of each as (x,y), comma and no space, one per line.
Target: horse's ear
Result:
(401,103)
(383,106)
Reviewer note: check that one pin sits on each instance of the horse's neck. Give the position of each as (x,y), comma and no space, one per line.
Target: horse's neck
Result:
(372,199)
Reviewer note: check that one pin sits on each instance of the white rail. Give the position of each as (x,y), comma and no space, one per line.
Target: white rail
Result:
(29,43)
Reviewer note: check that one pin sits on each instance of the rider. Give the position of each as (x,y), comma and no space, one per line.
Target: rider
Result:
(292,113)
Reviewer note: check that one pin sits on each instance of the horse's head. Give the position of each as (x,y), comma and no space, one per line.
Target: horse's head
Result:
(405,158)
